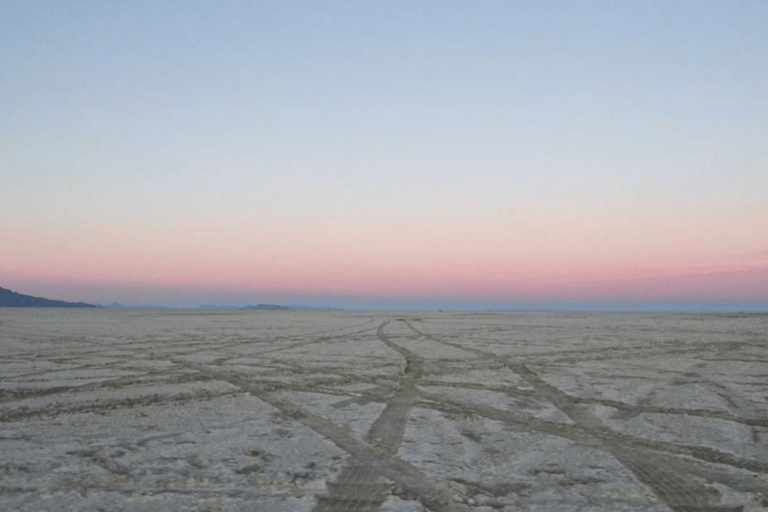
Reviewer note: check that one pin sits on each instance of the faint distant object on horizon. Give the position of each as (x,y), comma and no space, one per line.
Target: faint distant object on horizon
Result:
(266,306)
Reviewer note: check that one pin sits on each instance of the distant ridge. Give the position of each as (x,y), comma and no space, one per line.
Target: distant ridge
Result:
(310,308)
(269,306)
(117,305)
(11,299)
(266,306)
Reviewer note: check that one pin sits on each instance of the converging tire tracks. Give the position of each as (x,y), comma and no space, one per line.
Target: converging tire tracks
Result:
(360,488)
(375,454)
(280,372)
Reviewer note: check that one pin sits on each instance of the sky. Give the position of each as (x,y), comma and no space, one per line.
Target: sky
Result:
(400,154)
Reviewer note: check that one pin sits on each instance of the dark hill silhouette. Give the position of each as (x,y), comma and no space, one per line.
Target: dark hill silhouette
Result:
(11,299)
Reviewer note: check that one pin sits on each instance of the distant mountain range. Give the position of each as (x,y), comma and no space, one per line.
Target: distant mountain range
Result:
(266,306)
(117,305)
(11,299)
(269,306)
(310,308)
(258,306)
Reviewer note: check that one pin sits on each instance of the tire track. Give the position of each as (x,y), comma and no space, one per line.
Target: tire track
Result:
(579,435)
(678,490)
(443,403)
(310,342)
(359,488)
(752,421)
(401,382)
(435,497)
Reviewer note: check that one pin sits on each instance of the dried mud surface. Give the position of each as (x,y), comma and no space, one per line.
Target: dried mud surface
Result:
(382,411)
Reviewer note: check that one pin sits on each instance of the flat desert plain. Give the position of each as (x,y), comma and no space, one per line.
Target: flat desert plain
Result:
(172,410)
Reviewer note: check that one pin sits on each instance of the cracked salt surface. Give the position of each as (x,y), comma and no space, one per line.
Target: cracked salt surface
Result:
(382,411)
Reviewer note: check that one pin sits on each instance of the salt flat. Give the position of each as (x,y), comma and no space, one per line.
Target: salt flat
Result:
(393,411)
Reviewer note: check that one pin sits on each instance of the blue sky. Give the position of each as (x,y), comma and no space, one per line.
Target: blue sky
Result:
(385,151)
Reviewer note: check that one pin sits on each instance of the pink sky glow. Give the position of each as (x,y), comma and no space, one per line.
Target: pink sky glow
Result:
(553,259)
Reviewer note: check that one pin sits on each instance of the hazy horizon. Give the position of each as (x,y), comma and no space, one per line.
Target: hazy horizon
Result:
(578,298)
(390,155)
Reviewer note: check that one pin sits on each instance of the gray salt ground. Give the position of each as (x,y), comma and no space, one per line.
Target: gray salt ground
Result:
(392,411)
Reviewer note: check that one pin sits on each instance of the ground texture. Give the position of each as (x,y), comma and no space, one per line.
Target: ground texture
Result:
(382,411)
